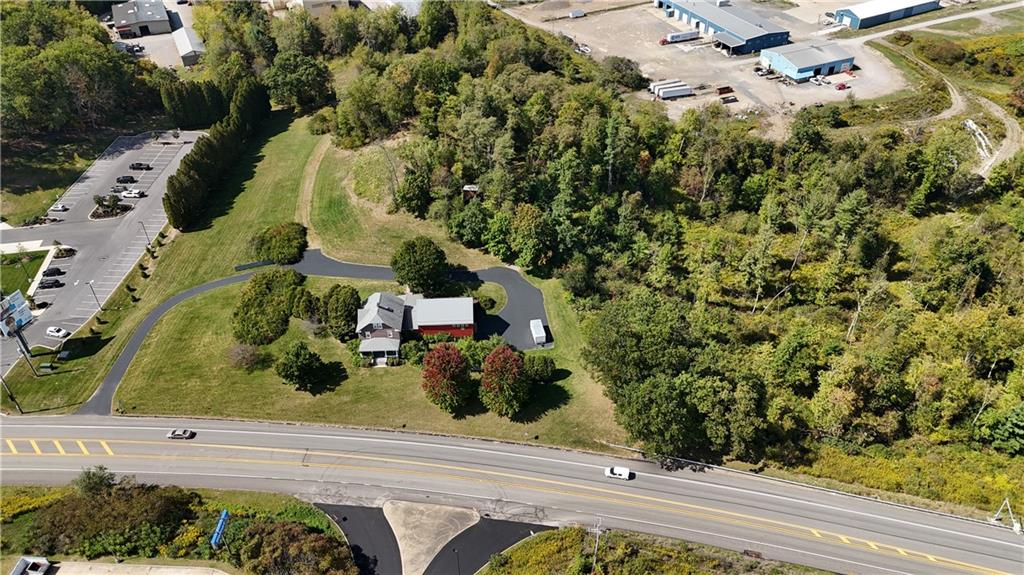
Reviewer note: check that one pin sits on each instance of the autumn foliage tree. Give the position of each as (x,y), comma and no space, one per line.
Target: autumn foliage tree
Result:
(504,388)
(446,377)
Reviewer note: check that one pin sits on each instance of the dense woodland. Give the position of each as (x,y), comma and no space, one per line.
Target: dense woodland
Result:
(844,301)
(830,296)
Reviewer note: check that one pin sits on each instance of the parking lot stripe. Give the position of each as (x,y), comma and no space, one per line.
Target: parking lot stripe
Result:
(10,445)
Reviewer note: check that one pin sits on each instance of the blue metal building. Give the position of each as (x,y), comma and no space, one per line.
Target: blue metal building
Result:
(733,29)
(804,60)
(875,12)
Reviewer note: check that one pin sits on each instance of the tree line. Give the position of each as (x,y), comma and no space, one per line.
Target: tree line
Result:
(202,169)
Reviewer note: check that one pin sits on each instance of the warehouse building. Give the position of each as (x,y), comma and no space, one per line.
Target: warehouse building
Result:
(140,18)
(733,29)
(190,46)
(875,12)
(804,60)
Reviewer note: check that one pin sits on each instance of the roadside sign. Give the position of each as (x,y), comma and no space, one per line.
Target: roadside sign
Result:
(14,314)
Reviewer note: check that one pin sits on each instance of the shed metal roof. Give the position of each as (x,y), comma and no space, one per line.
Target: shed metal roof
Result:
(188,41)
(373,344)
(136,11)
(443,311)
(810,54)
(879,7)
(741,23)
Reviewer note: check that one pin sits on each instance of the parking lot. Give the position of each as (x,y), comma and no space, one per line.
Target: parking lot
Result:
(633,32)
(107,249)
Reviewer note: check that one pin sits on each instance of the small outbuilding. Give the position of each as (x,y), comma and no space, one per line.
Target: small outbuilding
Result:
(540,336)
(31,566)
(190,46)
(804,60)
(875,12)
(140,18)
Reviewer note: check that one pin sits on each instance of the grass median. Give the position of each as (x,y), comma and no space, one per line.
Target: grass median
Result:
(18,270)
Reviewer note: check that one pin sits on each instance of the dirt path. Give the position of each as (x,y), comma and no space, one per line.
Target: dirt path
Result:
(1013,141)
(304,208)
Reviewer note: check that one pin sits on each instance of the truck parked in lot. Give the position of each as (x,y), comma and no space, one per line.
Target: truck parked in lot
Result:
(674,91)
(673,37)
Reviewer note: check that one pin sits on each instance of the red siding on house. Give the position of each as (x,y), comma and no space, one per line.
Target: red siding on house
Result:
(463,331)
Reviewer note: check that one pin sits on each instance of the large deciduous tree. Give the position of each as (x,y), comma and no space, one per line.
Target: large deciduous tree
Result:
(299,81)
(300,366)
(446,380)
(504,387)
(421,264)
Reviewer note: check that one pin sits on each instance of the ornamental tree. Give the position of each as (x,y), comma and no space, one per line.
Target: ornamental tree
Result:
(446,377)
(420,264)
(505,386)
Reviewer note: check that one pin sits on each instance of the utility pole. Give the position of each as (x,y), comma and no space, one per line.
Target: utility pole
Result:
(149,242)
(25,351)
(597,540)
(1014,522)
(458,564)
(89,283)
(11,395)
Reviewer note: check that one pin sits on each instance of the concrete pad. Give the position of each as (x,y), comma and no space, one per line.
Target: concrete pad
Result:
(83,568)
(423,529)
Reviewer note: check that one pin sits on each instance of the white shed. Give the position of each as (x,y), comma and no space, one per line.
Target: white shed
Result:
(190,46)
(540,337)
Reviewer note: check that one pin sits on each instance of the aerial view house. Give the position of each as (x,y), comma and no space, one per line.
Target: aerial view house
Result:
(381,321)
(140,18)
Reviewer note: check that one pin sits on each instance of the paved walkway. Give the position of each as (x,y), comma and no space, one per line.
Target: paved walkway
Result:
(525,302)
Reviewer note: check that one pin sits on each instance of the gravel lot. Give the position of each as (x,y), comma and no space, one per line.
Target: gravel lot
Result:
(634,31)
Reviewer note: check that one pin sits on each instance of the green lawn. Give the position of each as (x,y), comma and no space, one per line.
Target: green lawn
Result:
(961,25)
(495,292)
(263,191)
(18,270)
(357,228)
(571,412)
(37,171)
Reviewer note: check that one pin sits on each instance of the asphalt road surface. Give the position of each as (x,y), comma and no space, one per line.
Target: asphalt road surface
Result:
(107,249)
(525,302)
(373,543)
(518,483)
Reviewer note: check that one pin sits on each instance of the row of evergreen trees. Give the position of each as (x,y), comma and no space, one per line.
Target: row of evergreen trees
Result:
(192,104)
(207,163)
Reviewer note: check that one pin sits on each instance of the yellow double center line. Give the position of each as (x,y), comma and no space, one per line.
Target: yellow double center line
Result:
(512,480)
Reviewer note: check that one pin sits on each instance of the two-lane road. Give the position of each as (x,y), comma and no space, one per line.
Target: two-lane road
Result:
(783,521)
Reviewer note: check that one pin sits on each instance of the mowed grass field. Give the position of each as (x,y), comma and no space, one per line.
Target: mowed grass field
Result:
(262,191)
(201,381)
(352,220)
(17,275)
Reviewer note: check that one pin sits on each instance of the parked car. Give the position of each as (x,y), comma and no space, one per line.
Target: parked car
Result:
(126,180)
(132,193)
(50,284)
(51,272)
(815,80)
(58,208)
(181,434)
(118,189)
(622,473)
(842,86)
(824,80)
(58,332)
(140,166)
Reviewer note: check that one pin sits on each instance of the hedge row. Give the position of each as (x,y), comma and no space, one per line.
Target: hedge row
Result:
(208,162)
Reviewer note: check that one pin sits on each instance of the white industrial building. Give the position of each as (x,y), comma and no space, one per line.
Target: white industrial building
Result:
(190,46)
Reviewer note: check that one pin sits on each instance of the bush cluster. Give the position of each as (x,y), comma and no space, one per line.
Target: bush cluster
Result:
(282,243)
(262,312)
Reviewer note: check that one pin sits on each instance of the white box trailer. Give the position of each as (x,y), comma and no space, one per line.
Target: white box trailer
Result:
(577,14)
(674,37)
(655,85)
(540,337)
(675,91)
(660,91)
